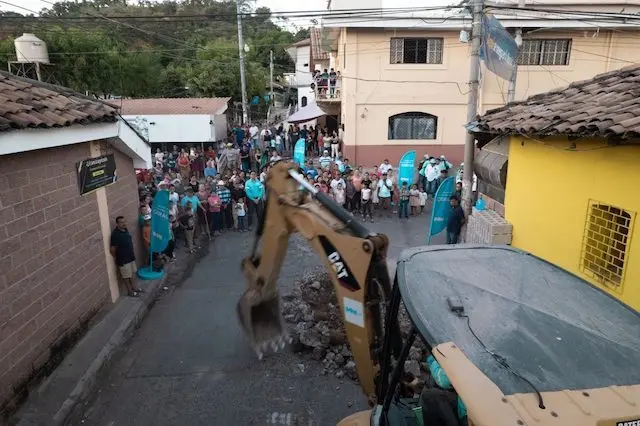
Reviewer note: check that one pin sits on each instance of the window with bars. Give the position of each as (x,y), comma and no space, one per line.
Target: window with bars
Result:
(605,244)
(413,125)
(545,52)
(416,50)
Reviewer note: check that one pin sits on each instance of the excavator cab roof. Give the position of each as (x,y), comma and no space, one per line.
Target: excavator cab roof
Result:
(554,329)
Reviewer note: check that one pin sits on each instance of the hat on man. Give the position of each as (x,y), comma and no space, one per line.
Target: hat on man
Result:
(147,217)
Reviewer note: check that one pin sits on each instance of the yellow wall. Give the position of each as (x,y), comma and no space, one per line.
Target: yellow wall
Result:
(548,191)
(373,89)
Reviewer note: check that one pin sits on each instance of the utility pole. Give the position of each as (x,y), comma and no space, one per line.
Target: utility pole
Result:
(271,76)
(472,106)
(512,84)
(243,80)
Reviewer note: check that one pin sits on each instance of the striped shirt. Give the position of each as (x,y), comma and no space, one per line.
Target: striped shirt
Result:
(225,195)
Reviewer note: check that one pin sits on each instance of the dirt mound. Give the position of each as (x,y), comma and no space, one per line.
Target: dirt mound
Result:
(313,314)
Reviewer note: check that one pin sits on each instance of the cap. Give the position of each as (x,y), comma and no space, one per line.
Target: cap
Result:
(147,217)
(442,157)
(220,182)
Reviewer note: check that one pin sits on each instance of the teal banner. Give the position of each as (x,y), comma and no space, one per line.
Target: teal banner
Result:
(441,207)
(160,230)
(406,168)
(298,152)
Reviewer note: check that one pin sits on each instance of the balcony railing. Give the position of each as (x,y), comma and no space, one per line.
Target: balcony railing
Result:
(328,91)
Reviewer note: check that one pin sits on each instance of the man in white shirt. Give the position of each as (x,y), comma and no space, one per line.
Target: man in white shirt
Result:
(335,182)
(385,167)
(432,173)
(159,156)
(253,132)
(265,138)
(385,186)
(325,159)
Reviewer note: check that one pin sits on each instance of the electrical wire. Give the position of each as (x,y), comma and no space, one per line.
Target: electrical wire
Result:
(502,361)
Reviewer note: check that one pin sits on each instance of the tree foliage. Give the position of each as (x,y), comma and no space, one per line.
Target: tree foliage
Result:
(175,48)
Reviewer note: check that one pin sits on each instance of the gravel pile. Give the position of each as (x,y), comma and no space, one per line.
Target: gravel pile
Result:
(313,316)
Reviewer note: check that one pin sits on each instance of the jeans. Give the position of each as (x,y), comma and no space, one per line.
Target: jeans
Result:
(254,208)
(366,209)
(403,211)
(432,187)
(241,222)
(453,237)
(215,221)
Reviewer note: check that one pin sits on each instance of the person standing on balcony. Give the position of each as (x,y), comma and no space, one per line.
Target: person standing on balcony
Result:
(324,77)
(332,83)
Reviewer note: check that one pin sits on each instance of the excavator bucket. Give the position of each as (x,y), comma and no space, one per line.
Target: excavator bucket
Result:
(262,323)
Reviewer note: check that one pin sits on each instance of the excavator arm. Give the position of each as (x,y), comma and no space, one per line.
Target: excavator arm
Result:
(355,257)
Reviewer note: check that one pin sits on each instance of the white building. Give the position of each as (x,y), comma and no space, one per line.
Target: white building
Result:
(300,53)
(178,120)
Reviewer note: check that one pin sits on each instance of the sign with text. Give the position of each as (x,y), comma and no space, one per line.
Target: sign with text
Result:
(499,49)
(95,173)
(298,152)
(441,207)
(406,168)
(160,228)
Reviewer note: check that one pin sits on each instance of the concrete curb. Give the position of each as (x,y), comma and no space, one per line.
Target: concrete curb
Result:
(86,383)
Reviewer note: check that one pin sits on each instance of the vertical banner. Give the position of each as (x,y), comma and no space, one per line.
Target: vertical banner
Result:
(298,152)
(441,207)
(406,168)
(499,49)
(160,231)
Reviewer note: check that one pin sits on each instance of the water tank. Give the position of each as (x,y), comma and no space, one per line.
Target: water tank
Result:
(30,48)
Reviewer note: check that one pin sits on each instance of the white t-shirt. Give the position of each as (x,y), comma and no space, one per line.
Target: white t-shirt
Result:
(159,157)
(423,198)
(366,194)
(384,168)
(253,131)
(174,197)
(278,139)
(385,190)
(339,193)
(335,183)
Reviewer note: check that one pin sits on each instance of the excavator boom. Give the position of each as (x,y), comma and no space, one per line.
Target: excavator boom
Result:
(355,257)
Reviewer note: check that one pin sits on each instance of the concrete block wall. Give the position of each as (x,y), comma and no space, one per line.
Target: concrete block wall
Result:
(488,227)
(52,264)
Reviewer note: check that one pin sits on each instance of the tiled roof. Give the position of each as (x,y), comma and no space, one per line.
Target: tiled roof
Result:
(317,51)
(28,103)
(607,105)
(178,106)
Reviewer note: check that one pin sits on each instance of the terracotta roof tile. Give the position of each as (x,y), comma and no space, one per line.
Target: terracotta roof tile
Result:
(28,103)
(178,106)
(607,105)
(317,51)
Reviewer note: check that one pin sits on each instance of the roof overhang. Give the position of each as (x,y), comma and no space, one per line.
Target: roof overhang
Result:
(118,133)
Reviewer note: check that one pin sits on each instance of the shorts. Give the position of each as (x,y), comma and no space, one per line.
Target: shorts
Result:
(128,270)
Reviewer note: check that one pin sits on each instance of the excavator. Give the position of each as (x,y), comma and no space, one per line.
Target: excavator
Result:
(520,341)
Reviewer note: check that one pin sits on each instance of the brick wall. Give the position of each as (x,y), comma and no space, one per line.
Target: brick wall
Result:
(53,275)
(122,198)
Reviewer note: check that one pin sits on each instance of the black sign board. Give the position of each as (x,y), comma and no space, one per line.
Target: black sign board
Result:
(95,173)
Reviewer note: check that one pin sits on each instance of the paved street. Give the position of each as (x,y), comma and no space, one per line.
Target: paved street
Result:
(189,364)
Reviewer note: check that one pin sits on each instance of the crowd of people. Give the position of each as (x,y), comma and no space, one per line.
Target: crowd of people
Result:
(212,191)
